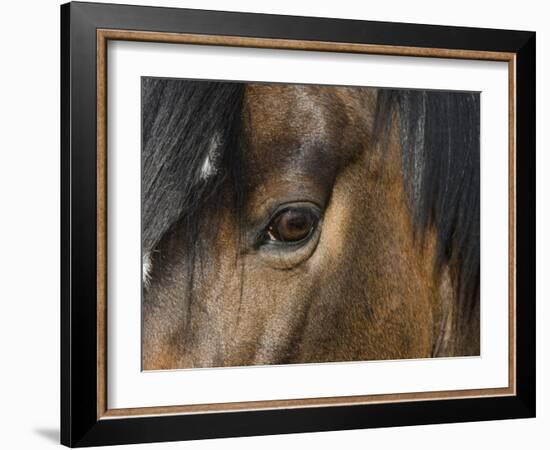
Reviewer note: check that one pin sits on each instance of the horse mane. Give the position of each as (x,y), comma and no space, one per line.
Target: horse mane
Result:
(188,124)
(441,171)
(189,147)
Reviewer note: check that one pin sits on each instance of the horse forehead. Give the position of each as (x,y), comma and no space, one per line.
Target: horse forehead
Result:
(284,123)
(281,114)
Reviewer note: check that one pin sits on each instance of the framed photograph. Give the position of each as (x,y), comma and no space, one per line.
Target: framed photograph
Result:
(277,224)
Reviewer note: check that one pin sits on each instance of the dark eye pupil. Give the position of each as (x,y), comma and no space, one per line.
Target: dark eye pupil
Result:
(291,225)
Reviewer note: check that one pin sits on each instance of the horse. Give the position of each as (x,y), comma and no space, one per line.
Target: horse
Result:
(296,223)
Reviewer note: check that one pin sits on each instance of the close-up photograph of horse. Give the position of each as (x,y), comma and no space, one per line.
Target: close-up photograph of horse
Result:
(301,223)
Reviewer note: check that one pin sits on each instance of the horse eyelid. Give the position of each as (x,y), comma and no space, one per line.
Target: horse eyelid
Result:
(266,236)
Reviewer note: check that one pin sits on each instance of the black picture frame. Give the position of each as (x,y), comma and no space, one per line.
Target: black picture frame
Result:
(80,425)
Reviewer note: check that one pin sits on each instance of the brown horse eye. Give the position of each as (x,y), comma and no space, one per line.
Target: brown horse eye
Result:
(291,225)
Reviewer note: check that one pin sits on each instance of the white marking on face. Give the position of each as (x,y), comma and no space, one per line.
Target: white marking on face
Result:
(209,164)
(146,267)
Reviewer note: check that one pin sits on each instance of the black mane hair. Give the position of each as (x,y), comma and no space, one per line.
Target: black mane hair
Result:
(440,140)
(183,123)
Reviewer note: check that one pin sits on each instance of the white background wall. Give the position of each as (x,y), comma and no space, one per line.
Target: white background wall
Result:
(29,223)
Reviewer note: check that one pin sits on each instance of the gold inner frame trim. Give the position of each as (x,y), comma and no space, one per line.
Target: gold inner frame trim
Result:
(103,36)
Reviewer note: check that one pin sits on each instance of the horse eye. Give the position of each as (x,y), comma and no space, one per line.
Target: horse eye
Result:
(291,225)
